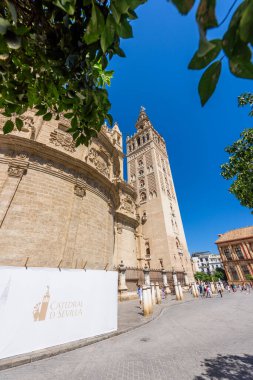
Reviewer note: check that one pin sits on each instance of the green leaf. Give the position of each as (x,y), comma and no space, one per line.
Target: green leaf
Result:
(13,41)
(206,14)
(125,29)
(4,24)
(74,122)
(199,62)
(109,118)
(68,115)
(66,5)
(42,111)
(241,68)
(184,6)
(246,24)
(48,116)
(208,81)
(19,123)
(95,26)
(8,126)
(12,11)
(120,52)
(115,13)
(107,36)
(122,6)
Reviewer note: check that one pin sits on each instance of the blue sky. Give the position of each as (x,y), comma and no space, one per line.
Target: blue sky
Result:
(155,75)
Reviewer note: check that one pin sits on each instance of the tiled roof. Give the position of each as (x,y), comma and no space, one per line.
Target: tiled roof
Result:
(239,233)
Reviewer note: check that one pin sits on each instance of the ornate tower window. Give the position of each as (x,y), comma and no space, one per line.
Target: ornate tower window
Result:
(143,197)
(142,183)
(138,141)
(141,172)
(147,136)
(143,139)
(140,163)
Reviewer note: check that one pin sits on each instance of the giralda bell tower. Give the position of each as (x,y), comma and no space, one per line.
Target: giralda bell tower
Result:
(160,220)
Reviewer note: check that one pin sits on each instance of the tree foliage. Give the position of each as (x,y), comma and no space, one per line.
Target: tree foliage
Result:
(239,168)
(54,55)
(219,274)
(236,43)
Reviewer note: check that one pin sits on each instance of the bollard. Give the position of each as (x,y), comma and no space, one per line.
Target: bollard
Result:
(180,291)
(178,298)
(193,289)
(145,300)
(165,282)
(213,290)
(153,293)
(158,293)
(123,290)
(174,275)
(196,289)
(150,304)
(146,271)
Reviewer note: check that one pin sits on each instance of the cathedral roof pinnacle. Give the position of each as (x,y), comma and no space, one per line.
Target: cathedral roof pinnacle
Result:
(116,127)
(143,120)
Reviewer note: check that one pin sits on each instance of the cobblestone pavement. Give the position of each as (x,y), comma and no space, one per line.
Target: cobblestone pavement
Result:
(199,340)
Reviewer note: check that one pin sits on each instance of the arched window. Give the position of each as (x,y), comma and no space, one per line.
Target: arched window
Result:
(142,183)
(143,139)
(138,141)
(150,195)
(140,163)
(143,196)
(141,172)
(147,136)
(154,195)
(133,146)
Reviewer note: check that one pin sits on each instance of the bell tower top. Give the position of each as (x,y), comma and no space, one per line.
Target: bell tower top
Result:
(143,120)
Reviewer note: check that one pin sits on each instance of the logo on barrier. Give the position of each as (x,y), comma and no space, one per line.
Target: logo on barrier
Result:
(40,309)
(56,309)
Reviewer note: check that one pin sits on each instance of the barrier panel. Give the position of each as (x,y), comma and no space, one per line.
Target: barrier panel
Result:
(43,307)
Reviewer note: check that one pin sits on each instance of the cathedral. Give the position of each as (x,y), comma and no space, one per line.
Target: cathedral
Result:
(70,207)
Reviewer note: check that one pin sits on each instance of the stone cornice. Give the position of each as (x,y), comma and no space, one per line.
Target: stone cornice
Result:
(130,220)
(67,167)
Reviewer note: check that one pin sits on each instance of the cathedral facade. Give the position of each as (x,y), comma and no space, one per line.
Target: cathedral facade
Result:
(69,207)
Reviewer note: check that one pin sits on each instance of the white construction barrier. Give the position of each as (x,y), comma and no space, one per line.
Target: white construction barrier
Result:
(42,307)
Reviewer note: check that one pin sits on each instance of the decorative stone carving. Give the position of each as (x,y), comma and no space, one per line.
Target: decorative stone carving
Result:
(80,189)
(65,140)
(15,171)
(127,204)
(98,161)
(119,228)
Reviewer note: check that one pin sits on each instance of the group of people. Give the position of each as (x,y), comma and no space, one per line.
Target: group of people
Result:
(245,287)
(205,289)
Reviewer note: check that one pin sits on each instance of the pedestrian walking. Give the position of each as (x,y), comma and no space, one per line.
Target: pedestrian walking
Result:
(208,292)
(139,292)
(219,289)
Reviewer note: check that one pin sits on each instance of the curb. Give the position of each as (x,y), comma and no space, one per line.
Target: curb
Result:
(47,353)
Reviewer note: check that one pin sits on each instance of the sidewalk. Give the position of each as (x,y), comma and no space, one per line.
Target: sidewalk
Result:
(129,317)
(130,314)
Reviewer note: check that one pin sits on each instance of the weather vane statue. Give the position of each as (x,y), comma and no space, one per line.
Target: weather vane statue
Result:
(143,108)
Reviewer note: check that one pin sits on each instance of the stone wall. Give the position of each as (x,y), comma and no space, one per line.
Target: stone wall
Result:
(57,201)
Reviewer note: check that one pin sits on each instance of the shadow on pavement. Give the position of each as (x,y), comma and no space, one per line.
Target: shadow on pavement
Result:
(228,367)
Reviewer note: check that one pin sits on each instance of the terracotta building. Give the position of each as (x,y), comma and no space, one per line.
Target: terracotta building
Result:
(236,250)
(68,206)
